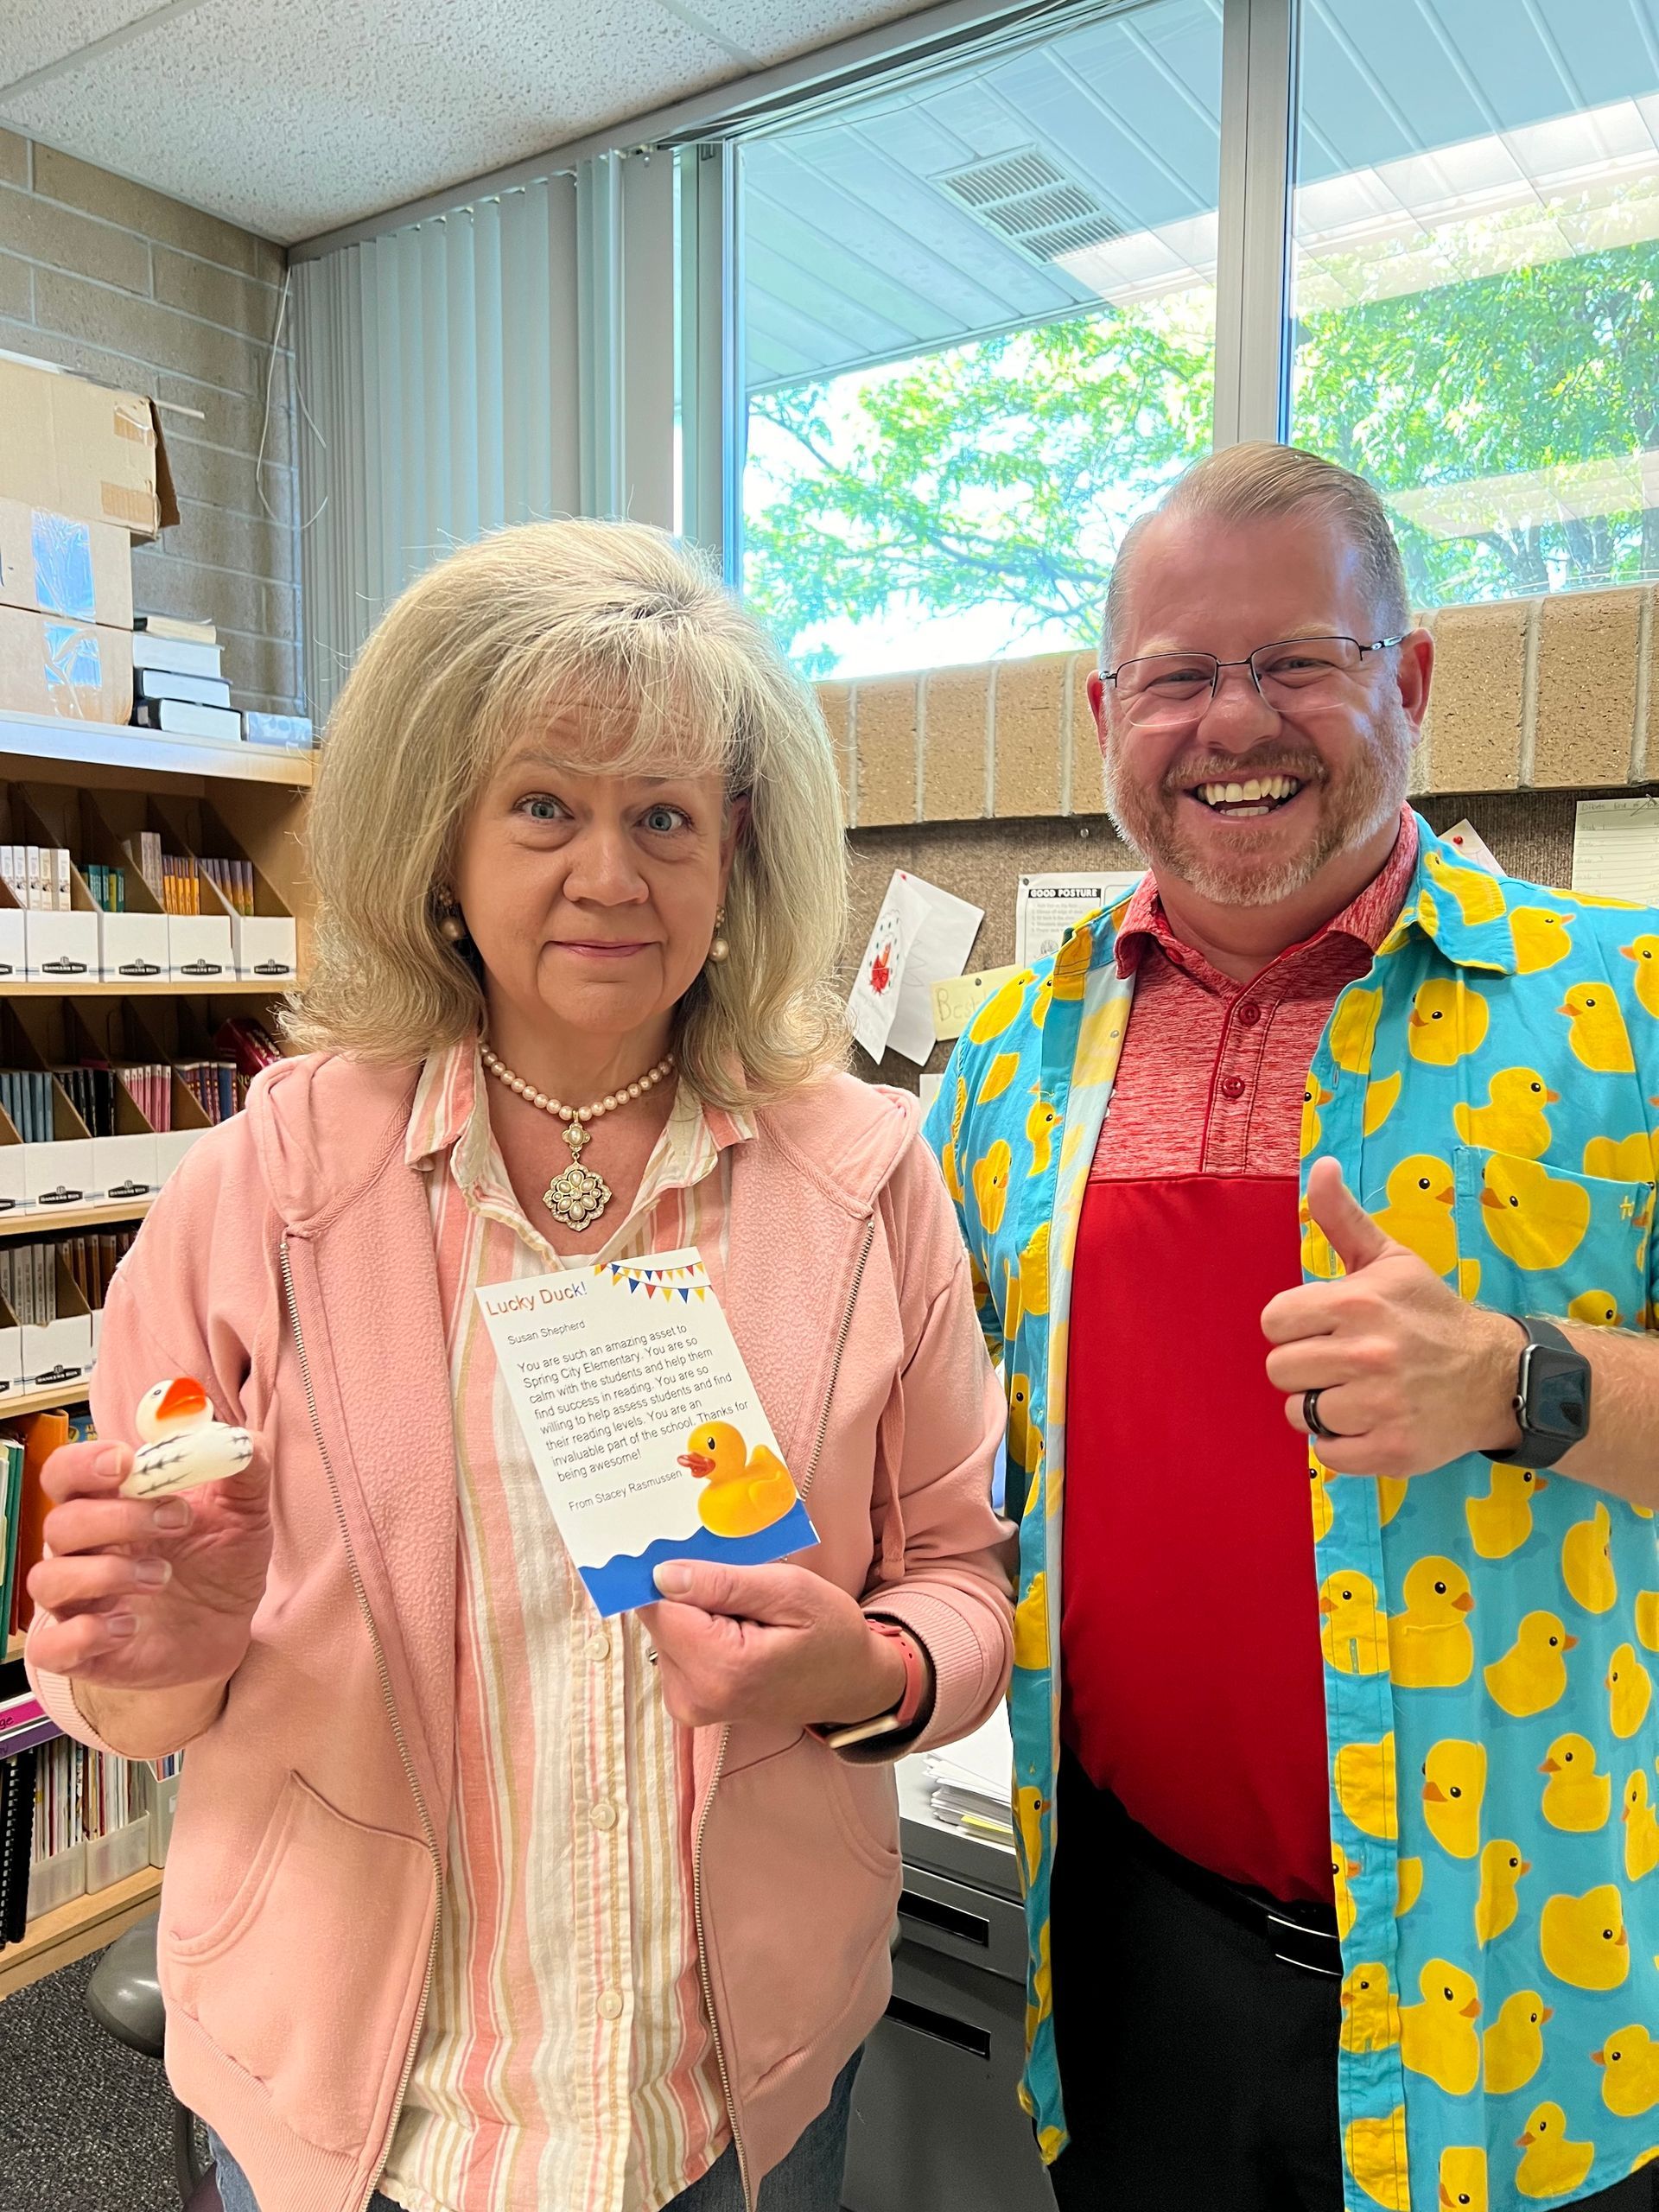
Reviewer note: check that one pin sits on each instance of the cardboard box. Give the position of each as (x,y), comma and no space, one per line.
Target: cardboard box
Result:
(81,449)
(76,672)
(55,564)
(265,946)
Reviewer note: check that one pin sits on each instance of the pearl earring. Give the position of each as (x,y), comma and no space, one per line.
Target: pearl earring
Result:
(451,928)
(719,949)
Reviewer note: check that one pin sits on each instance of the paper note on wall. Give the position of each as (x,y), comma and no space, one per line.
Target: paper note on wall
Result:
(958,1000)
(645,1430)
(1616,850)
(1473,847)
(1048,905)
(922,936)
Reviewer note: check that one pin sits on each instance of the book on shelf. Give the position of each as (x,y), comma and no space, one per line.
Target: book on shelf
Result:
(11,1498)
(42,1435)
(181,656)
(166,683)
(38,877)
(180,718)
(177,629)
(16,1836)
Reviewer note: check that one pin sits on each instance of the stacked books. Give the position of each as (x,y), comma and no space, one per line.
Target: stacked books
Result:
(38,877)
(234,879)
(16,1828)
(91,1093)
(28,1282)
(219,1087)
(178,679)
(11,1499)
(151,1085)
(108,886)
(92,1260)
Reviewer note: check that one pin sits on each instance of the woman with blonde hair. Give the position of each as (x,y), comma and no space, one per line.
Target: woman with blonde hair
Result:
(475,1899)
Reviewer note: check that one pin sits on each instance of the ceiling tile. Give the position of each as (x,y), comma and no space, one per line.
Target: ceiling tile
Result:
(773,33)
(32,36)
(294,120)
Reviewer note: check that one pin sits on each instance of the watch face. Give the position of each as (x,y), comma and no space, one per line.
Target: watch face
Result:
(1557,1393)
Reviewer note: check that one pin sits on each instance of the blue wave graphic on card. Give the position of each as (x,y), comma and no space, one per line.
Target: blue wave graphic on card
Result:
(624,1582)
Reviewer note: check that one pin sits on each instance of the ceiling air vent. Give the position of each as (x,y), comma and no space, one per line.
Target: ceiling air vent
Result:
(1027,199)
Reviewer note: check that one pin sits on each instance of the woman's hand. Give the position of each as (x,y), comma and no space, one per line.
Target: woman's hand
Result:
(155,1595)
(767,1643)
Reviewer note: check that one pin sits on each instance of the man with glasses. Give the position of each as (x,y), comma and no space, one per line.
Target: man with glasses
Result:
(1351,1895)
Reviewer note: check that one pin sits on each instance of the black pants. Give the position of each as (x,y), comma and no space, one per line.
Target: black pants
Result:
(1198,2070)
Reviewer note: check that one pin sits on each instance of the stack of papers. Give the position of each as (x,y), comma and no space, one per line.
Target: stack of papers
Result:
(973,1783)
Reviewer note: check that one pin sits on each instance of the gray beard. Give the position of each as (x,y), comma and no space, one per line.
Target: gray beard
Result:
(1369,796)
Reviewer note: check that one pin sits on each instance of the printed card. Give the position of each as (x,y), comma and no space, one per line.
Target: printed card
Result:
(644,1425)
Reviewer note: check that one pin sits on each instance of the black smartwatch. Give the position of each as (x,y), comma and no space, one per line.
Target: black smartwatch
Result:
(1551,1396)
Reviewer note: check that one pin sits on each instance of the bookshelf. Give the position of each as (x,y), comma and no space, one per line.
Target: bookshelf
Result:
(71,1218)
(221,988)
(147,753)
(88,1924)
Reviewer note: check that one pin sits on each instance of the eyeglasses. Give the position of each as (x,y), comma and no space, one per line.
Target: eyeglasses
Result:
(1171,688)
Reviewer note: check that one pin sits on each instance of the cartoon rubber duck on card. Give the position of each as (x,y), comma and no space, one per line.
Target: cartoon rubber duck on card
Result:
(747,1491)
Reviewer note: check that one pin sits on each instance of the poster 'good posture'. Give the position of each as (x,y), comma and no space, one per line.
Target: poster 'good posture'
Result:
(644,1425)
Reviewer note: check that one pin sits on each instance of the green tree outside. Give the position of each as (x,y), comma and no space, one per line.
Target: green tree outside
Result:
(1000,474)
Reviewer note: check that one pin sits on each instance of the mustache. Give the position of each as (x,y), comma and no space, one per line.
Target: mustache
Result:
(1271,760)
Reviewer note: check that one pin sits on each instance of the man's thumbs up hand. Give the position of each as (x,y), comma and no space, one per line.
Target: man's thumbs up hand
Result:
(1409,1376)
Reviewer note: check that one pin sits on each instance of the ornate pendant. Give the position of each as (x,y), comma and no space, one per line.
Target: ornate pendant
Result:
(577,1197)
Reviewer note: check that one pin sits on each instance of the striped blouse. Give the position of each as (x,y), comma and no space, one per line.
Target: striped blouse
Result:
(566,2058)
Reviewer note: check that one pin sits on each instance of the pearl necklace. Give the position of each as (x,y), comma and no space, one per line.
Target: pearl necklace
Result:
(577,1197)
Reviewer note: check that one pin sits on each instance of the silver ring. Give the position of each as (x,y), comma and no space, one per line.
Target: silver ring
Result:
(1310,1413)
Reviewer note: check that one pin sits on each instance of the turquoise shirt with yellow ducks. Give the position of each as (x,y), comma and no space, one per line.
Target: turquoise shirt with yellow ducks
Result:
(1489,1088)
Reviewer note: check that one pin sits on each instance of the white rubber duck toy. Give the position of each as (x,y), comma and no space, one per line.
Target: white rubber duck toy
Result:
(183,1445)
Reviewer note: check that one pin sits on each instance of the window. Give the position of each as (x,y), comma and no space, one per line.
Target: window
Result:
(1475,278)
(978,334)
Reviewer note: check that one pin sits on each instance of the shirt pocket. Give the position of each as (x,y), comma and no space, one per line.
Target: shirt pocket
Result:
(1535,1238)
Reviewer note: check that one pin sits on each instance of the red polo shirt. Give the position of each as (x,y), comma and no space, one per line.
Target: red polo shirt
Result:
(1194,1686)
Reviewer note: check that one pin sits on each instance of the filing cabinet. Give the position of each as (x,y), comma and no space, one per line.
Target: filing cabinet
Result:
(936,2124)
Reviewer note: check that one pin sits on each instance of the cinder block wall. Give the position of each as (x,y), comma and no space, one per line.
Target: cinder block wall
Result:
(1529,695)
(140,291)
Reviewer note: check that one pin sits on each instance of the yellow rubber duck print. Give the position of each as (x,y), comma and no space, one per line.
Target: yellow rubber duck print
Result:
(1381,1099)
(1463,2179)
(1314,1097)
(1501,1522)
(1587,1562)
(990,1180)
(1629,1691)
(1392,1491)
(1478,896)
(1641,1829)
(1375,2152)
(1621,1160)
(1645,953)
(1029,1806)
(1597,1309)
(1515,2043)
(1024,1438)
(1542,938)
(1430,1645)
(1353,1033)
(1071,970)
(1454,1787)
(1552,2166)
(1535,1219)
(1439,2037)
(1364,1778)
(1030,1626)
(1447,1020)
(1408,1885)
(1501,1869)
(1324,1513)
(1034,1271)
(1576,1798)
(1629,2061)
(1000,1074)
(1371,2013)
(747,1491)
(1039,2000)
(1421,1193)
(1583,1939)
(1647,1619)
(997,1015)
(1598,1034)
(1531,1676)
(1514,1120)
(1343,1870)
(1353,1634)
(1041,1124)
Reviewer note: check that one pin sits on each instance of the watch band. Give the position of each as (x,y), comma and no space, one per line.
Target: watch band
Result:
(902,1715)
(1539,1447)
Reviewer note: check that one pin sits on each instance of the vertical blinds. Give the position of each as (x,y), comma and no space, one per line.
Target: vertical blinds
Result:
(439,381)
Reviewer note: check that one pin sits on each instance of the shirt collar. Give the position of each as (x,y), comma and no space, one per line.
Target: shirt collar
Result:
(444,1116)
(1367,917)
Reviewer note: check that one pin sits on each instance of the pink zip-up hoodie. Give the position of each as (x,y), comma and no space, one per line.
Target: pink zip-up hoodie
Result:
(288,1265)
